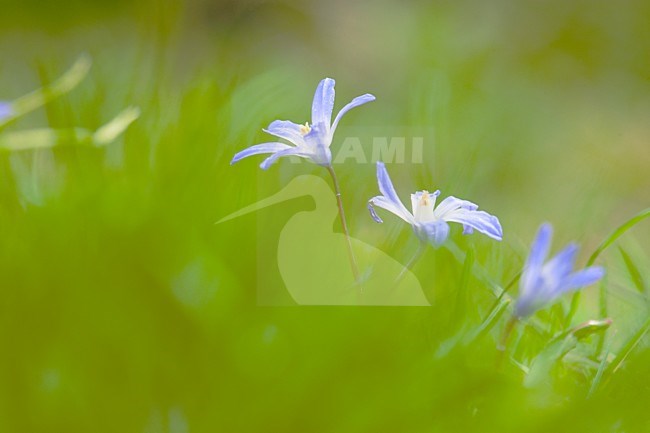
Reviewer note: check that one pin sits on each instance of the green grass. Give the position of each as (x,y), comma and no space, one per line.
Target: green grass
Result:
(125,308)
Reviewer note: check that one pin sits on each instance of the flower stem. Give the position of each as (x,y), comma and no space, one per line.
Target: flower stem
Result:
(421,248)
(344,225)
(503,343)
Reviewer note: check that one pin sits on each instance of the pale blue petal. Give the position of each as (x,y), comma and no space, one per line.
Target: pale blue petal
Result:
(388,191)
(373,213)
(259,149)
(317,146)
(541,245)
(541,284)
(437,232)
(317,137)
(531,279)
(465,212)
(5,110)
(451,204)
(583,278)
(287,130)
(384,203)
(359,100)
(323,104)
(479,220)
(526,306)
(560,266)
(291,151)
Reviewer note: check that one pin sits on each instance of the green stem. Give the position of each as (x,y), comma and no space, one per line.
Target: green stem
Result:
(503,343)
(461,294)
(344,225)
(603,313)
(418,254)
(504,293)
(490,321)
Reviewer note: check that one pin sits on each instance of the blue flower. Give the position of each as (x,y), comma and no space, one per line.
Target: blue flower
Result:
(543,283)
(309,141)
(5,110)
(430,223)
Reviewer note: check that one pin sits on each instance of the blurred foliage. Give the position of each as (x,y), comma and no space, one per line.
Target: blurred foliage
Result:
(124,308)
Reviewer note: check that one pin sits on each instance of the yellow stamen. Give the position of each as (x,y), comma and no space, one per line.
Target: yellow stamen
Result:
(304,129)
(424,199)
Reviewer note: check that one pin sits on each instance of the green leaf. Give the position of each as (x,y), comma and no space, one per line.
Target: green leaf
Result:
(633,271)
(590,327)
(617,233)
(542,367)
(43,138)
(559,346)
(59,87)
(113,129)
(599,374)
(490,321)
(629,347)
(47,137)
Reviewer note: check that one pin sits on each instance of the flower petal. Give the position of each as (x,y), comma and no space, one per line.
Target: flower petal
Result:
(451,204)
(580,279)
(437,232)
(417,197)
(540,247)
(527,305)
(287,130)
(259,149)
(453,209)
(479,220)
(541,284)
(388,191)
(291,151)
(384,203)
(561,265)
(5,110)
(373,213)
(531,281)
(323,104)
(317,137)
(359,100)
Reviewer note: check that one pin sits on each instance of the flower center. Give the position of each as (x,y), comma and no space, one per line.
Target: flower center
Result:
(423,211)
(305,129)
(425,199)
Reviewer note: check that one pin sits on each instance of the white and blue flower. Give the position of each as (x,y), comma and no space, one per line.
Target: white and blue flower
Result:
(430,222)
(543,283)
(307,141)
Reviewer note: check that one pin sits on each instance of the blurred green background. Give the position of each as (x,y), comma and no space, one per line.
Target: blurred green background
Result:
(125,309)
